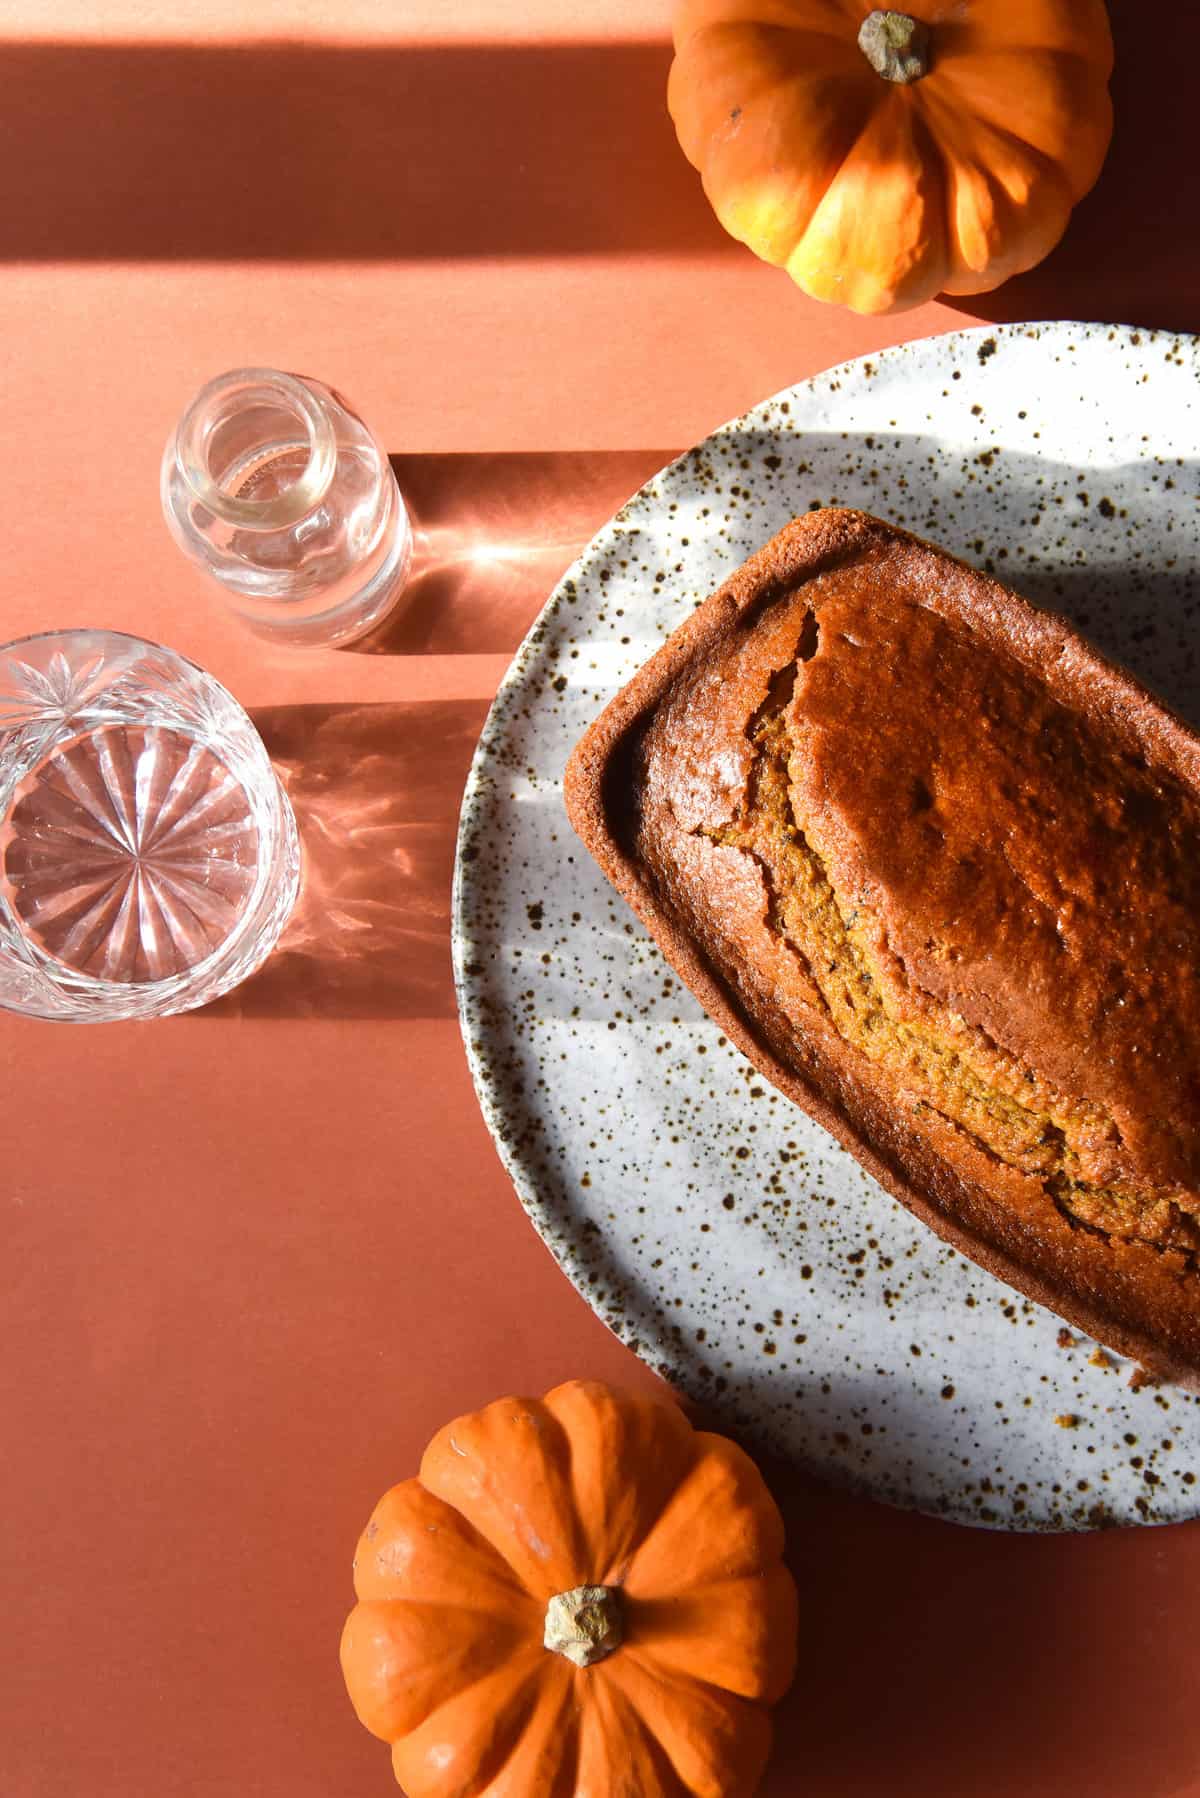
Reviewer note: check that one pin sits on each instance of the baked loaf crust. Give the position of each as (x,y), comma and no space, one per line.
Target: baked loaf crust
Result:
(934,865)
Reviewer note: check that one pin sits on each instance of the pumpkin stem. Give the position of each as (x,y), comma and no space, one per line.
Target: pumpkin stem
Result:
(585,1624)
(896,46)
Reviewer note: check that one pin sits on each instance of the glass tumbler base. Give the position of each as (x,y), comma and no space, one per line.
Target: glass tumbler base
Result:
(131,853)
(149,858)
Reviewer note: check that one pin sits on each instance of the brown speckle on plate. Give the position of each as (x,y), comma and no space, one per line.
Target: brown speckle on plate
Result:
(682,1199)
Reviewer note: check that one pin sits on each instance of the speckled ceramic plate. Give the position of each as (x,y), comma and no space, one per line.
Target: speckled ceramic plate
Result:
(720,1233)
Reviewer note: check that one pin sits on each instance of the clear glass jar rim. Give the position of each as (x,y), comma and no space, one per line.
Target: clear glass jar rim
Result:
(305,492)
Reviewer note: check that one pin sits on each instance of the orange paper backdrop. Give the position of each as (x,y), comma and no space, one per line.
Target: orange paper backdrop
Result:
(255,1256)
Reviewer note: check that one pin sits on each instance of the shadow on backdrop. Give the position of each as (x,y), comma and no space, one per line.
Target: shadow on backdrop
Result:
(1131,254)
(143,151)
(941,1659)
(138,151)
(493,535)
(377,788)
(376,792)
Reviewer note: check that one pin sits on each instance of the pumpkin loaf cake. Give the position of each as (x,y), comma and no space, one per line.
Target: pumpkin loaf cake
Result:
(934,865)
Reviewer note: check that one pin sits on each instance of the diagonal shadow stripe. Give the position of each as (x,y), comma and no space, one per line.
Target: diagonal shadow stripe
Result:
(117,152)
(493,536)
(376,791)
(266,151)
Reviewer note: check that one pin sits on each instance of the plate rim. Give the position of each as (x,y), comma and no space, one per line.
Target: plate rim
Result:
(638,1332)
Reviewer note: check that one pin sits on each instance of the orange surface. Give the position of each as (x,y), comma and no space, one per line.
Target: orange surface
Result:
(255,1256)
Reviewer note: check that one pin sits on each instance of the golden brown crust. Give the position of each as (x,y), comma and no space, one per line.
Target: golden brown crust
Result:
(658,784)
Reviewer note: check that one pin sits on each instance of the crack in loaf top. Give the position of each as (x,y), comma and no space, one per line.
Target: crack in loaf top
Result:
(1020,819)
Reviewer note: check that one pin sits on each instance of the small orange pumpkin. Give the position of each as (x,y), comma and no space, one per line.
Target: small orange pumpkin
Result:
(883,157)
(578,1595)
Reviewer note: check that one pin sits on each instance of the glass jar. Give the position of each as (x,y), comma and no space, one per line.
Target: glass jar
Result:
(148,854)
(272,484)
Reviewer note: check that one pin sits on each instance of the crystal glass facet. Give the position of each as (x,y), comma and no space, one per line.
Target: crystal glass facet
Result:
(273,485)
(148,854)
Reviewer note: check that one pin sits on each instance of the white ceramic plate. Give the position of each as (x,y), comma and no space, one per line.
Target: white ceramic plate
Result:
(720,1233)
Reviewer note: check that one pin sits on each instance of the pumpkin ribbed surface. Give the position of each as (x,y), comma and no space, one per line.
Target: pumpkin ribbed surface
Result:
(881,165)
(559,1505)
